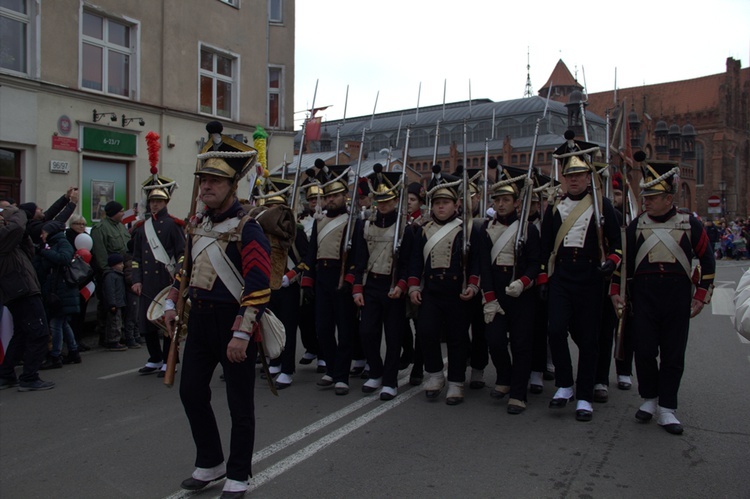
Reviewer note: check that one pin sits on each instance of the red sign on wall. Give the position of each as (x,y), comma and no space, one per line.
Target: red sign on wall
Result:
(714,201)
(64,143)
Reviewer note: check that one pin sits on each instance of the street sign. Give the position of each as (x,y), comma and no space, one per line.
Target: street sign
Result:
(714,201)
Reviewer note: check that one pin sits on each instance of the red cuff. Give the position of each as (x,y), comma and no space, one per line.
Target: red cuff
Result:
(542,278)
(402,284)
(614,289)
(474,279)
(307,282)
(291,275)
(525,281)
(615,259)
(700,294)
(237,323)
(413,281)
(357,289)
(489,296)
(349,278)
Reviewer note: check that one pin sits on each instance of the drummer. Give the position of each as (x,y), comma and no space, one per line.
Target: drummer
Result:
(158,247)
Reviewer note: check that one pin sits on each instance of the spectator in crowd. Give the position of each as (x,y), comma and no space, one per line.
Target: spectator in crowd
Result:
(21,294)
(62,298)
(76,226)
(714,236)
(114,300)
(5,202)
(60,211)
(109,236)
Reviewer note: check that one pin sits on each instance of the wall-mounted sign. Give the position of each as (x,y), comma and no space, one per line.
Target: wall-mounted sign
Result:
(64,125)
(96,139)
(59,166)
(64,143)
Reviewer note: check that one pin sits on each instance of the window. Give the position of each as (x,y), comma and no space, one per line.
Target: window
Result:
(18,28)
(218,83)
(275,85)
(108,55)
(274,11)
(700,164)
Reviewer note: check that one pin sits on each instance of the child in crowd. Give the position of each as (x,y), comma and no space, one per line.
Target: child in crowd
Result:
(114,295)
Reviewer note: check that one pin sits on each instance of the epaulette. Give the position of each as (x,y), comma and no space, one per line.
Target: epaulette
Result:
(138,223)
(178,221)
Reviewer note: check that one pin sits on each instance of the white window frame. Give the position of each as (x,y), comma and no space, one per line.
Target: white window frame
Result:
(32,20)
(234,80)
(281,11)
(134,52)
(275,91)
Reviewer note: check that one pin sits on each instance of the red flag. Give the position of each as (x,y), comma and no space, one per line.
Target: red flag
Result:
(313,129)
(88,290)
(129,216)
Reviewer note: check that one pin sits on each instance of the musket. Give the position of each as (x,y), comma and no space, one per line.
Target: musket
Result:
(295,194)
(185,271)
(622,311)
(595,187)
(608,184)
(400,214)
(353,204)
(523,222)
(338,127)
(466,215)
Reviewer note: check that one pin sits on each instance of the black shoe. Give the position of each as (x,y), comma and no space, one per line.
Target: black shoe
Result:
(281,386)
(35,386)
(195,484)
(416,379)
(225,494)
(161,374)
(356,371)
(82,347)
(560,403)
(536,389)
(673,429)
(325,382)
(497,394)
(548,376)
(341,390)
(643,416)
(147,370)
(305,361)
(623,385)
(369,389)
(515,409)
(321,369)
(476,385)
(8,383)
(584,415)
(601,396)
(72,358)
(365,375)
(51,363)
(385,396)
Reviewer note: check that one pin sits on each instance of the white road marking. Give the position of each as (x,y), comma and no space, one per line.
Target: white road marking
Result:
(123,373)
(323,442)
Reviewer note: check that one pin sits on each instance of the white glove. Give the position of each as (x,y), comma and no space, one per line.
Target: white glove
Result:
(490,309)
(284,282)
(514,289)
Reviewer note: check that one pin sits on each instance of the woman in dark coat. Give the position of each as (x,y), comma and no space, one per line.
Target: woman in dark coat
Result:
(51,261)
(77,226)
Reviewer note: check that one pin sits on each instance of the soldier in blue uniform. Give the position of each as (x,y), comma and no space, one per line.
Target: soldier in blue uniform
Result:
(507,276)
(666,293)
(579,256)
(436,283)
(158,251)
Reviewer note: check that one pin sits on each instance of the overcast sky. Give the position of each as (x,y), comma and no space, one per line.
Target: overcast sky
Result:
(390,46)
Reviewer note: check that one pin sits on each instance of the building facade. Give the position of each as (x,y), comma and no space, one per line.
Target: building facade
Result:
(82,82)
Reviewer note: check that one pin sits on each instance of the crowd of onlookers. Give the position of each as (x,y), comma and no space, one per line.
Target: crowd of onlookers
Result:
(37,246)
(729,239)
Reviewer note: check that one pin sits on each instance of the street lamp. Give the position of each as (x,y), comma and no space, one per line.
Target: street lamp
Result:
(723,189)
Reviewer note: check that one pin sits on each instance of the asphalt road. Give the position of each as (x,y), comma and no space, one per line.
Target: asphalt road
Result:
(105,432)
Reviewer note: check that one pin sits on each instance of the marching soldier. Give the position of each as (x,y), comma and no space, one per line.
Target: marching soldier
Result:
(412,353)
(609,324)
(506,279)
(574,247)
(313,211)
(436,275)
(229,291)
(158,251)
(335,312)
(381,302)
(661,244)
(288,247)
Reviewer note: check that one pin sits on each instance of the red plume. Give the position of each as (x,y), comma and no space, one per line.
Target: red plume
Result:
(152,139)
